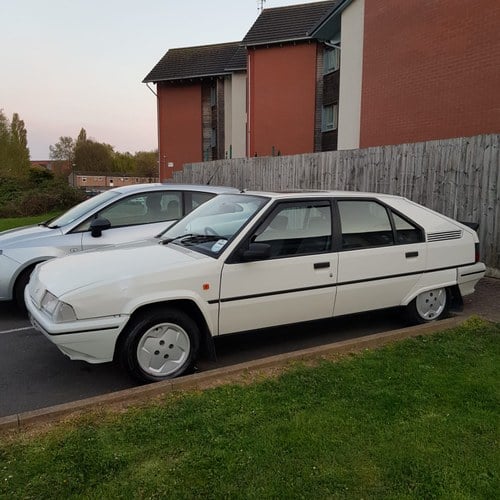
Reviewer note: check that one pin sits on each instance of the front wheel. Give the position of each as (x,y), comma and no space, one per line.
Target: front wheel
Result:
(428,306)
(21,283)
(159,345)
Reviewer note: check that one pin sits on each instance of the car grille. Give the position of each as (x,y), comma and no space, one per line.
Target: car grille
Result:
(445,235)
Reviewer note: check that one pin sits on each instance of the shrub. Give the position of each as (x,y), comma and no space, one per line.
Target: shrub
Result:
(39,193)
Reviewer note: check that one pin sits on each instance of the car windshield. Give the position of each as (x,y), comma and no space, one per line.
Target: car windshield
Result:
(209,228)
(82,209)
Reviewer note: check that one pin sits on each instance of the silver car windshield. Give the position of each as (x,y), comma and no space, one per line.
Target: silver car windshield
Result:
(210,227)
(82,209)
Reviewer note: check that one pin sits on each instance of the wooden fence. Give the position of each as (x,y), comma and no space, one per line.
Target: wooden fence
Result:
(457,177)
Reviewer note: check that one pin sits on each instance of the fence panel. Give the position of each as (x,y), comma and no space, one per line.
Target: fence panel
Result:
(457,177)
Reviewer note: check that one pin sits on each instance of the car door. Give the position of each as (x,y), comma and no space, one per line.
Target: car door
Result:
(295,283)
(133,218)
(382,256)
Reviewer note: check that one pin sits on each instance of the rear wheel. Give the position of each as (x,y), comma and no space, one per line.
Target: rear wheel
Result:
(160,344)
(429,306)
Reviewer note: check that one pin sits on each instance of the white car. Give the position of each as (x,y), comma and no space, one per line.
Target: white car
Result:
(115,216)
(249,261)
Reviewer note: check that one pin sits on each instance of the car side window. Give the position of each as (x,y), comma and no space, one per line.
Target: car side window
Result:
(297,229)
(364,224)
(406,232)
(145,208)
(194,199)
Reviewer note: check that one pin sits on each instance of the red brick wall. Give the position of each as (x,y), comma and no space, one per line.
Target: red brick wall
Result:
(282,92)
(180,126)
(431,70)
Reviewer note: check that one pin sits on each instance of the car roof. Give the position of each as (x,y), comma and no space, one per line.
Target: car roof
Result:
(156,186)
(319,194)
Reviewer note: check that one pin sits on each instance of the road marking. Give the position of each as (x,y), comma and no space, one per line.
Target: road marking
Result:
(17,330)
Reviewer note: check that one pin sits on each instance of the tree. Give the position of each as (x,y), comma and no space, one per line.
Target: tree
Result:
(82,136)
(4,142)
(124,163)
(91,156)
(63,150)
(146,163)
(14,152)
(19,143)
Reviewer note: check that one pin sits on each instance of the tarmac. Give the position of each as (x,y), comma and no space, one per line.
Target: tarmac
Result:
(484,303)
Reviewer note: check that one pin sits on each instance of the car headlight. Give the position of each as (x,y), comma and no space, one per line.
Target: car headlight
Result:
(59,311)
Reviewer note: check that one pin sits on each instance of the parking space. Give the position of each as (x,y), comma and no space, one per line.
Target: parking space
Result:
(34,374)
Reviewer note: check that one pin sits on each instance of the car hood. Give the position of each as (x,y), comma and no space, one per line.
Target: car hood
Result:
(25,235)
(112,265)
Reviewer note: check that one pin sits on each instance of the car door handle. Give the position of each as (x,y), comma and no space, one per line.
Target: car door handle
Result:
(409,255)
(321,265)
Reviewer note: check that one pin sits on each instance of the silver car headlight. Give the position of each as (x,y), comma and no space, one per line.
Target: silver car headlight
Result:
(59,311)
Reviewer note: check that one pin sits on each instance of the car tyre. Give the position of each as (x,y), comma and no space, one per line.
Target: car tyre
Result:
(429,306)
(160,344)
(21,283)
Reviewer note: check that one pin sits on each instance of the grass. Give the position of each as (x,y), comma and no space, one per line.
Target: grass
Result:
(417,419)
(13,222)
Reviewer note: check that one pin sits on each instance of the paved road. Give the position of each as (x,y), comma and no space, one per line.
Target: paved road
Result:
(34,374)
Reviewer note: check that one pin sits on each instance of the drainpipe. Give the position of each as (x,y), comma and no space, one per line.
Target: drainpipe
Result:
(157,127)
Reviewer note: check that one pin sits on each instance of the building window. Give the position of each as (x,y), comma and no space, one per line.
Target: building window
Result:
(331,60)
(213,138)
(213,96)
(329,120)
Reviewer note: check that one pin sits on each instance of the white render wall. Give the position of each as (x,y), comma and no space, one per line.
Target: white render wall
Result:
(235,92)
(351,75)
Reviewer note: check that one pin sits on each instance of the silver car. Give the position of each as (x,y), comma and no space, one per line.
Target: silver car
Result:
(116,216)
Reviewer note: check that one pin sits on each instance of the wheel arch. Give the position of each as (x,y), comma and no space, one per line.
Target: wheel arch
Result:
(187,306)
(21,273)
(430,282)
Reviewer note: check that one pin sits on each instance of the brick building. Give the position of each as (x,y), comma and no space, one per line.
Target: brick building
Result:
(100,182)
(201,99)
(338,74)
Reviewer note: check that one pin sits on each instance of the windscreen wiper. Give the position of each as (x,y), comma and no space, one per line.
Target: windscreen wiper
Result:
(169,240)
(192,237)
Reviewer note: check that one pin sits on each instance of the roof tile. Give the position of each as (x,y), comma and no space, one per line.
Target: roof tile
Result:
(196,62)
(293,22)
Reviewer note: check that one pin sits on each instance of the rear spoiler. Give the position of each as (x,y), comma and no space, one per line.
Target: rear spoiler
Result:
(472,225)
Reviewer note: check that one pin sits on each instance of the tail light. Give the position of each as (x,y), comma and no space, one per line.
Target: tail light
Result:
(477,255)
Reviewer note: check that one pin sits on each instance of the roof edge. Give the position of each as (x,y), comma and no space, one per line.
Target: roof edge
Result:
(338,9)
(190,77)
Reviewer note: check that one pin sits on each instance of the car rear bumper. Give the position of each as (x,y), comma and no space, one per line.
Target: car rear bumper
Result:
(468,276)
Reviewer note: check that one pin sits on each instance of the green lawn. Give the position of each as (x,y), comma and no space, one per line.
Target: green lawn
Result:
(10,223)
(417,419)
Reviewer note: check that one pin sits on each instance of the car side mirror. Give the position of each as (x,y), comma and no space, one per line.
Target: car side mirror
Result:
(257,251)
(97,226)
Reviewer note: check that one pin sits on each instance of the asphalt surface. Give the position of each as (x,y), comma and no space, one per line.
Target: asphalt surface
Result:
(34,374)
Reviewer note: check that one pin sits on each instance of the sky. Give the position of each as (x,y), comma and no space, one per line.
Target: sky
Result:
(72,64)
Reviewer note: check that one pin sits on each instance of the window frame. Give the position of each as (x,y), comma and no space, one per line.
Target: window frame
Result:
(335,64)
(96,214)
(389,210)
(272,211)
(326,126)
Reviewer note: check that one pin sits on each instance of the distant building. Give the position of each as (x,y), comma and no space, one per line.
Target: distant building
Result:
(201,93)
(337,74)
(101,182)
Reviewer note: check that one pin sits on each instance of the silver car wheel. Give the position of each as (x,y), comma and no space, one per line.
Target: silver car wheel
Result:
(163,349)
(430,305)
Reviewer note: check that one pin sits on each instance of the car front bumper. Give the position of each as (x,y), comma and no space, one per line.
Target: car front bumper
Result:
(8,269)
(91,340)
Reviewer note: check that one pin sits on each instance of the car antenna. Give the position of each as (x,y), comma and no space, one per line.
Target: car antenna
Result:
(214,174)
